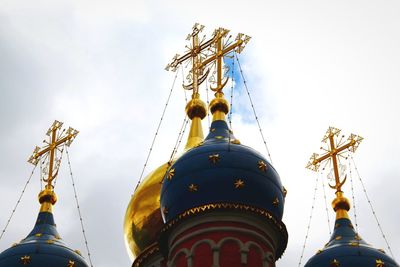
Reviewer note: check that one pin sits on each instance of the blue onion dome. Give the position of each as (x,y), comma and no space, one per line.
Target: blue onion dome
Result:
(43,247)
(222,171)
(345,247)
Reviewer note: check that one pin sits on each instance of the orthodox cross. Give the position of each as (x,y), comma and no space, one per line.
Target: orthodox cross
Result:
(221,49)
(57,138)
(336,148)
(195,53)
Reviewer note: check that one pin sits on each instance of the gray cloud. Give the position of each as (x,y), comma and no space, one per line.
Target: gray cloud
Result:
(99,67)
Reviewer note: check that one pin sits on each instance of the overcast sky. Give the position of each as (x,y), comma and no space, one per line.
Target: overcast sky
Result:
(98,66)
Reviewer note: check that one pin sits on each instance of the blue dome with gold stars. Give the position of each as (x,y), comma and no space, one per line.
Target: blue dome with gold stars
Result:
(43,247)
(347,249)
(221,171)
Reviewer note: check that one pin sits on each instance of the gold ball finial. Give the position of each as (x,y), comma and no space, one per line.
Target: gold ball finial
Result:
(48,196)
(219,103)
(196,108)
(340,203)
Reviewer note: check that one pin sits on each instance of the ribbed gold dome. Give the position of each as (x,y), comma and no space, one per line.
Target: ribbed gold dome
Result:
(143,217)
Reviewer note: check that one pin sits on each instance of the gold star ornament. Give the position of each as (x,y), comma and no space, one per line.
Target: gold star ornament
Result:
(214,158)
(239,183)
(25,260)
(262,166)
(379,263)
(193,188)
(335,263)
(275,202)
(71,263)
(170,174)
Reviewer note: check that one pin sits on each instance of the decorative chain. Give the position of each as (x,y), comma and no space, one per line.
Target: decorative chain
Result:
(18,201)
(58,165)
(352,195)
(252,106)
(232,87)
(231,103)
(372,208)
(157,130)
(309,221)
(79,209)
(326,207)
(208,104)
(179,139)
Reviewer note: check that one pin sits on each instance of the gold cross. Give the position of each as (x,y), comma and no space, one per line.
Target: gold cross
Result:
(221,49)
(195,51)
(202,53)
(57,138)
(335,149)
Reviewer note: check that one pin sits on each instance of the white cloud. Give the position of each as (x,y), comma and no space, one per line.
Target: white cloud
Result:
(98,66)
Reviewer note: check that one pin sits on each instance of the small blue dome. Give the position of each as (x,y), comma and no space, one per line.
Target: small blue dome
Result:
(347,249)
(43,247)
(221,171)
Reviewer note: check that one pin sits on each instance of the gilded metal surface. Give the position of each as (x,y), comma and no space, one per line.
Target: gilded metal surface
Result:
(335,263)
(25,260)
(341,206)
(46,207)
(196,108)
(143,219)
(214,158)
(262,166)
(196,135)
(275,202)
(205,54)
(143,216)
(153,249)
(193,188)
(379,263)
(57,138)
(219,104)
(195,54)
(334,149)
(170,174)
(239,183)
(284,190)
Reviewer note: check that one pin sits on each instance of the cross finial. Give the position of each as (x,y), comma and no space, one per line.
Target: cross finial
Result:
(195,54)
(335,148)
(222,46)
(57,137)
(201,53)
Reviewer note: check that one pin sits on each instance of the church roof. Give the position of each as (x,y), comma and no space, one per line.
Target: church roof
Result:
(42,247)
(221,170)
(347,249)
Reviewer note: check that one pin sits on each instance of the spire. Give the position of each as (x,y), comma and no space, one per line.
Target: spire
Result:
(196,111)
(57,138)
(204,53)
(335,149)
(219,106)
(345,247)
(43,246)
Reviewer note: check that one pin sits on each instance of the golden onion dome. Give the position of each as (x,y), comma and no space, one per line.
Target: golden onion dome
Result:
(143,220)
(143,216)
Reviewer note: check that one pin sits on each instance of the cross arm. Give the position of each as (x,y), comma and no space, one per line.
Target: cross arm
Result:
(225,51)
(68,138)
(178,60)
(334,152)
